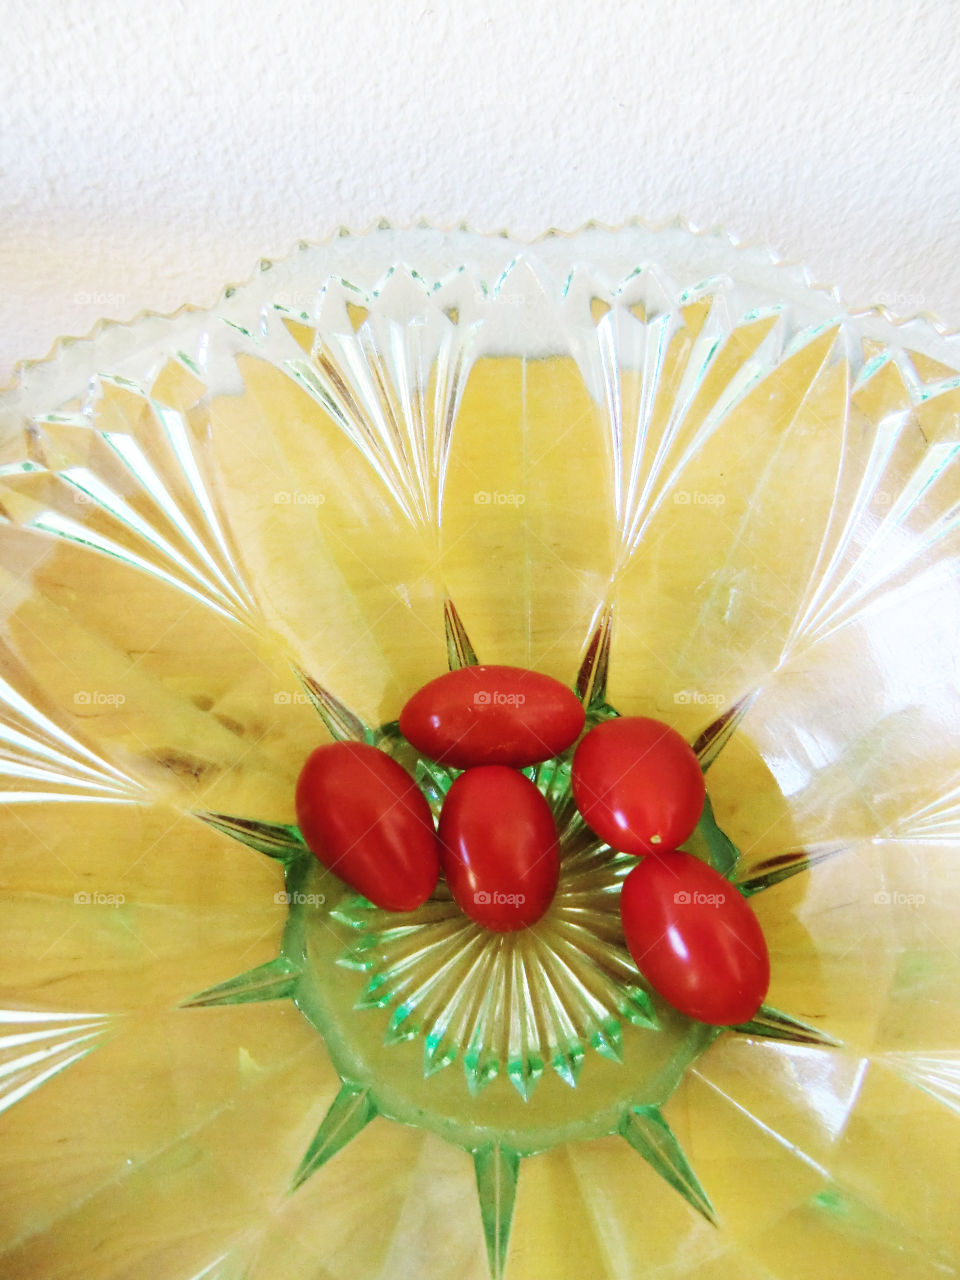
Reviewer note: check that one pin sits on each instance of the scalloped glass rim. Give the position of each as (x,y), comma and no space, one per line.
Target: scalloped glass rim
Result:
(363,256)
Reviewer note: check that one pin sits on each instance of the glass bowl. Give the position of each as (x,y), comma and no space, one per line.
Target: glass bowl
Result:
(660,467)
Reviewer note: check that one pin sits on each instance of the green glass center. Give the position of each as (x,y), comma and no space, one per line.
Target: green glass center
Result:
(530,1038)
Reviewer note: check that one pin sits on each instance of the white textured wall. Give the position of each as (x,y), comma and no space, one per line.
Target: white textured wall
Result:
(151,151)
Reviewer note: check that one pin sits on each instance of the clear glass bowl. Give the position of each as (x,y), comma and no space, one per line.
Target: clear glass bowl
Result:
(658,466)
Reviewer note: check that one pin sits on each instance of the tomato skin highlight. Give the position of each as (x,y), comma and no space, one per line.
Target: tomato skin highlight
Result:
(488,715)
(365,819)
(498,843)
(695,939)
(638,784)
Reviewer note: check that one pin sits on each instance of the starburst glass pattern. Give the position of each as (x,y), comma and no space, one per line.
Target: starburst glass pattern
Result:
(658,467)
(516,1003)
(393,388)
(648,363)
(507,1003)
(123,477)
(41,761)
(36,1046)
(893,507)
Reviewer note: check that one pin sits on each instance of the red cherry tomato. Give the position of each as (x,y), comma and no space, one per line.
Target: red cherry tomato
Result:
(638,784)
(695,939)
(365,818)
(498,847)
(492,715)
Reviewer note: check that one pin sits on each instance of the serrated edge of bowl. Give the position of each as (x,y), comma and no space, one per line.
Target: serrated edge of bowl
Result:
(66,342)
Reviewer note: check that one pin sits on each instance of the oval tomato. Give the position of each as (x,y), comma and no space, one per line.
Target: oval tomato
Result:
(695,939)
(492,715)
(638,784)
(498,847)
(364,817)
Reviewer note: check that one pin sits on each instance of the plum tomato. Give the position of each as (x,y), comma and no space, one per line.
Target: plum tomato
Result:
(492,715)
(365,819)
(638,784)
(695,939)
(498,848)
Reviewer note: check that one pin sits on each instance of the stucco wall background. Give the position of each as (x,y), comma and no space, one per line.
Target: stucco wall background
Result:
(149,154)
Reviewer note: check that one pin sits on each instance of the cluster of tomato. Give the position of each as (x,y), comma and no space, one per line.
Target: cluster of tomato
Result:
(635,780)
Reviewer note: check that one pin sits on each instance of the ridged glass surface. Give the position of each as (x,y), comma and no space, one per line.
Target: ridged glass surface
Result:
(663,470)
